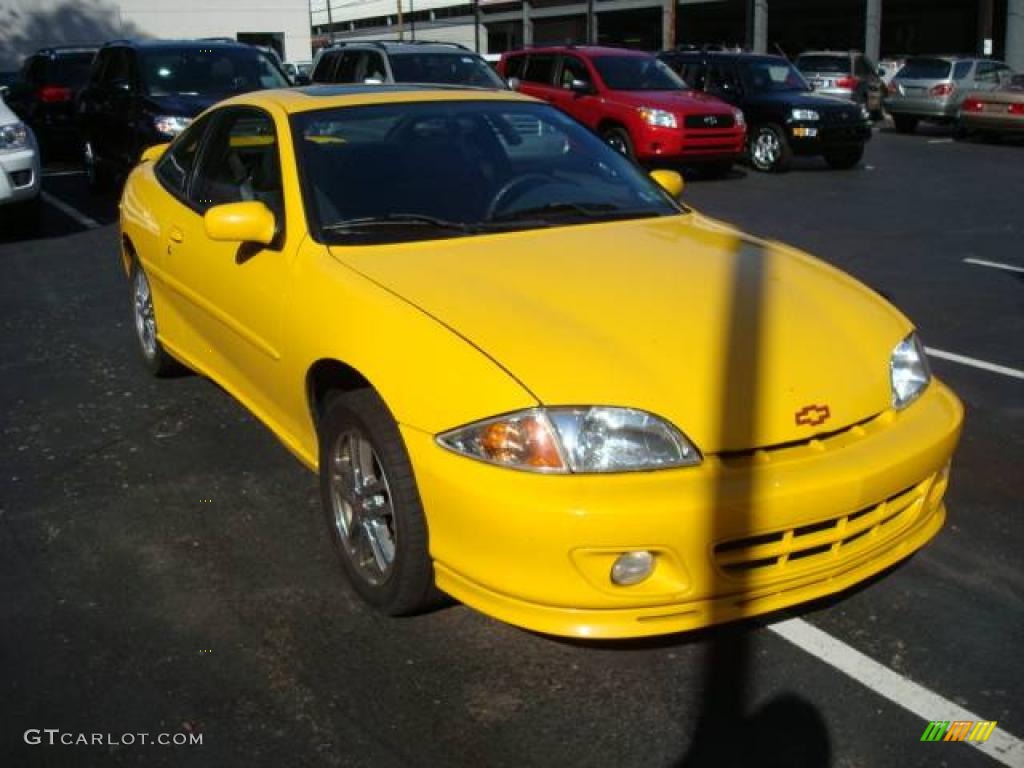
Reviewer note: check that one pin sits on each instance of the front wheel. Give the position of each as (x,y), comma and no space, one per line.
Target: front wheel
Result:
(372,505)
(769,149)
(842,159)
(618,139)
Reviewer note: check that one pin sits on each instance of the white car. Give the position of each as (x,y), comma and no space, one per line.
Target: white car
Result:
(20,174)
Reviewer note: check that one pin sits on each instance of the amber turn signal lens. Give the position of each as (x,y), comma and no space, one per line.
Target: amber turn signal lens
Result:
(525,441)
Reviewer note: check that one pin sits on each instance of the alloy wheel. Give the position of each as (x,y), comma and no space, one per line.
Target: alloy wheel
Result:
(145,319)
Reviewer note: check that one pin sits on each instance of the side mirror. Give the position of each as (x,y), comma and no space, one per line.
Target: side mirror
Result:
(248,222)
(154,153)
(581,87)
(513,83)
(670,181)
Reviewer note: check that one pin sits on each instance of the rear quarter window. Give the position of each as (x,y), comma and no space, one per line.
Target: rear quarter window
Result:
(514,66)
(540,69)
(926,69)
(839,65)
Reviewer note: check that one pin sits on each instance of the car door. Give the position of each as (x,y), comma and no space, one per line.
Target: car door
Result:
(584,105)
(231,294)
(538,78)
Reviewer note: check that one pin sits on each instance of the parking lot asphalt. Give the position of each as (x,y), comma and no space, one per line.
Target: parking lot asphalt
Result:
(164,568)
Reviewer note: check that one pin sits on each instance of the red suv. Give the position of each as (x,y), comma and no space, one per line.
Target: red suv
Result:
(633,101)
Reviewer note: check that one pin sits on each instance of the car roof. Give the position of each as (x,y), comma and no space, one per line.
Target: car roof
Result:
(314,97)
(217,42)
(587,50)
(722,55)
(403,46)
(57,50)
(830,53)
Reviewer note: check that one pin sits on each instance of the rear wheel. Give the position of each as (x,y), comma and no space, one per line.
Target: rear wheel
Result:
(841,159)
(618,139)
(905,123)
(156,358)
(769,151)
(372,505)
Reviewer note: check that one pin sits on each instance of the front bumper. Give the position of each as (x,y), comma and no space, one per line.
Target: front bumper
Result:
(813,138)
(732,538)
(687,144)
(20,176)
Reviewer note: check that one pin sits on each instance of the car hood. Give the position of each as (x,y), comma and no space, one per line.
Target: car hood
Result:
(678,101)
(804,100)
(728,337)
(184,104)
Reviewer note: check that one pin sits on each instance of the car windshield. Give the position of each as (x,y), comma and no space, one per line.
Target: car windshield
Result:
(839,65)
(71,69)
(444,68)
(637,73)
(925,69)
(771,76)
(194,70)
(394,172)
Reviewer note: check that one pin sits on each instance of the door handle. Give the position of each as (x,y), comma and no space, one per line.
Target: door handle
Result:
(176,235)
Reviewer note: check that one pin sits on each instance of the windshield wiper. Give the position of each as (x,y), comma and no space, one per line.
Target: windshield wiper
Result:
(595,211)
(414,219)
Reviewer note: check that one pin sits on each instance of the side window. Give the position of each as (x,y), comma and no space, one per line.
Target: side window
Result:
(174,168)
(118,69)
(514,66)
(348,67)
(540,69)
(34,71)
(573,69)
(325,67)
(98,63)
(722,78)
(375,70)
(963,68)
(240,162)
(694,74)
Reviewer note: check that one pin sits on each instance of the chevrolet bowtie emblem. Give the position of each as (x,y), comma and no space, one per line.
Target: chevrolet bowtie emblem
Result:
(812,415)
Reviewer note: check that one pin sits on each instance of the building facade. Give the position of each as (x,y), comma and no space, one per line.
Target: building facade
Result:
(878,27)
(27,25)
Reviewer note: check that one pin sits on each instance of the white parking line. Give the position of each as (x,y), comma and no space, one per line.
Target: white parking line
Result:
(940,141)
(994,265)
(67,210)
(975,363)
(1000,746)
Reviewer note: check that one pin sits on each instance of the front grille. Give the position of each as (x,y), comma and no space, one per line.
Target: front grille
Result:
(709,122)
(780,552)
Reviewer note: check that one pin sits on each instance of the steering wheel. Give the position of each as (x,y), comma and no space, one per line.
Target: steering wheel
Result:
(517,184)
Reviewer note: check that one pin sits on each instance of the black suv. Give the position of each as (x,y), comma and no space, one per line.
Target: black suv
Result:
(784,117)
(46,90)
(145,92)
(418,61)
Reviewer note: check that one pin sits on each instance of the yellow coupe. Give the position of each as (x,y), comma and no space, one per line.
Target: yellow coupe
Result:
(526,375)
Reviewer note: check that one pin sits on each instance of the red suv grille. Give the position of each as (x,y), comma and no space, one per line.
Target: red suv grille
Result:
(709,121)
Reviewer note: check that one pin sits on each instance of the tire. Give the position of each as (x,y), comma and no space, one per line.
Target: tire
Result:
(768,149)
(96,177)
(372,506)
(905,123)
(842,159)
(618,139)
(154,356)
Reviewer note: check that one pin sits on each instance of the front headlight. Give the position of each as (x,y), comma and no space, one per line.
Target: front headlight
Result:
(658,117)
(579,440)
(740,119)
(908,371)
(13,136)
(804,114)
(171,125)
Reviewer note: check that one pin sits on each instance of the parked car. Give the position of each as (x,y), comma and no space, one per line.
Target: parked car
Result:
(994,113)
(298,71)
(626,419)
(888,67)
(46,92)
(145,92)
(633,101)
(20,174)
(784,116)
(411,61)
(847,74)
(933,87)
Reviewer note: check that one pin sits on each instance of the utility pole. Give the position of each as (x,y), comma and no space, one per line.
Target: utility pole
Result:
(330,24)
(476,24)
(401,30)
(590,22)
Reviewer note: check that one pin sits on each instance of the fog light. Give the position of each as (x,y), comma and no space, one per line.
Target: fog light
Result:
(632,568)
